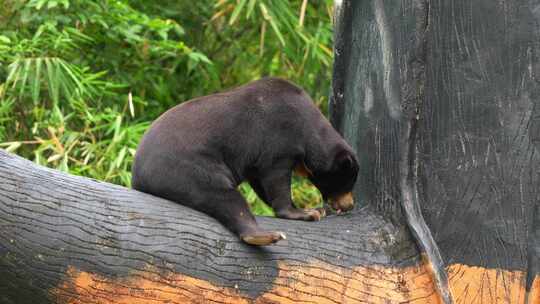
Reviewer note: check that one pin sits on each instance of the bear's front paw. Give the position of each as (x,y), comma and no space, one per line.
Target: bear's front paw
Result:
(300,214)
(263,238)
(315,214)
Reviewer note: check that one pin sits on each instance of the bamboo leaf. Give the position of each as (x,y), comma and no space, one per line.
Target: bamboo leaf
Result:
(13,146)
(120,157)
(237,11)
(130,102)
(73,75)
(37,81)
(220,3)
(54,157)
(264,11)
(51,81)
(116,127)
(273,23)
(302,13)
(5,39)
(52,4)
(25,70)
(250,7)
(14,73)
(40,4)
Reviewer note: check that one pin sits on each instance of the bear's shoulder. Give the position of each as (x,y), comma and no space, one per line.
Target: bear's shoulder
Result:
(277,85)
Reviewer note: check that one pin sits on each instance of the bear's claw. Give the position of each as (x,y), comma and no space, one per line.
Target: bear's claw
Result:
(263,238)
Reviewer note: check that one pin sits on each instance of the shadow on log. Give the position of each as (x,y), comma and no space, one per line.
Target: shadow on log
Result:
(69,239)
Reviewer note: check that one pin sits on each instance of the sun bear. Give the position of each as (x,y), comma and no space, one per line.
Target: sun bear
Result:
(198,152)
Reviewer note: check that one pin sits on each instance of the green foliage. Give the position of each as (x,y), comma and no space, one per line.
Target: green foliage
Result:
(81,80)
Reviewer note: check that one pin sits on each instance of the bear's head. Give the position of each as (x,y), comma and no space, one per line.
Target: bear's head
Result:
(336,184)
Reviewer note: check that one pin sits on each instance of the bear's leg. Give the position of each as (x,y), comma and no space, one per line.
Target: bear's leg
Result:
(230,208)
(274,187)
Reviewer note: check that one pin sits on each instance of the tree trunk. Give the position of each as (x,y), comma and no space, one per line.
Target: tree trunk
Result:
(69,239)
(440,100)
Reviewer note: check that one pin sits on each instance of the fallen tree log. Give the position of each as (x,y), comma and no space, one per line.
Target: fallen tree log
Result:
(69,239)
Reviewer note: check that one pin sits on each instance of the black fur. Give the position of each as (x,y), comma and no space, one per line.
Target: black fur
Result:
(199,151)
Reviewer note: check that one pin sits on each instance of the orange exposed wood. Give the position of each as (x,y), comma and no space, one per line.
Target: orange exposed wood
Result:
(141,287)
(323,283)
(477,285)
(313,283)
(534,293)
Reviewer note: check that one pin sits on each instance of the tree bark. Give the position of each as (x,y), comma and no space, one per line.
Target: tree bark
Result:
(440,100)
(69,239)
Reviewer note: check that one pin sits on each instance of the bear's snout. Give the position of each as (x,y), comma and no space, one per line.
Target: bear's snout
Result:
(343,202)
